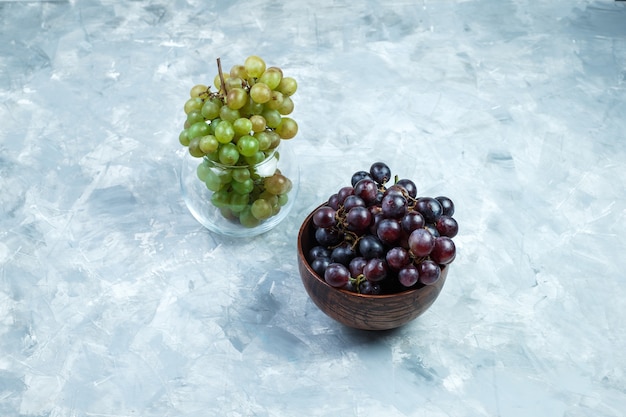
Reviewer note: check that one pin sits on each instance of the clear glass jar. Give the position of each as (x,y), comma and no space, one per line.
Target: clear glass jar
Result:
(225,198)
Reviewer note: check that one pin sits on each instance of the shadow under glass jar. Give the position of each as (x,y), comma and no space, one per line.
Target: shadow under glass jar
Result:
(240,200)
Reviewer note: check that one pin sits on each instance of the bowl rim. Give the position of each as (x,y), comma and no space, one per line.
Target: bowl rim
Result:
(409,292)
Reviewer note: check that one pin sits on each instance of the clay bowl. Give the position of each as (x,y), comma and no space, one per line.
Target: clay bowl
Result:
(366,312)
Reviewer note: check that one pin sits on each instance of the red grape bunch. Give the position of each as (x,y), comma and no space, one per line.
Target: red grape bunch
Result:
(377,237)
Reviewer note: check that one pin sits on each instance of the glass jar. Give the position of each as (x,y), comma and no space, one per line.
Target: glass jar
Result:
(240,200)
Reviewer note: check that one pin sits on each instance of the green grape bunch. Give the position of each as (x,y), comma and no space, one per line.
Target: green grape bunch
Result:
(237,127)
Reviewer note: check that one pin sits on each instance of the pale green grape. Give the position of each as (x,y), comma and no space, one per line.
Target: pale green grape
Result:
(240,174)
(260,93)
(220,198)
(226,113)
(236,98)
(258,123)
(252,108)
(194,103)
(183,137)
(211,109)
(272,118)
(194,148)
(261,209)
(255,66)
(194,116)
(257,158)
(224,132)
(286,107)
(288,128)
(277,184)
(238,71)
(275,101)
(198,90)
(283,199)
(248,145)
(202,171)
(275,139)
(233,82)
(198,129)
(288,86)
(271,77)
(247,219)
(208,143)
(244,187)
(217,82)
(228,153)
(212,181)
(264,139)
(242,126)
(238,202)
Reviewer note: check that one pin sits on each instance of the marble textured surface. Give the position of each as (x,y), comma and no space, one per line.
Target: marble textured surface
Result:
(114,301)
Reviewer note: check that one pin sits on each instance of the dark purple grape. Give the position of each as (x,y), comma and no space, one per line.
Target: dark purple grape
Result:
(324,217)
(447,226)
(411,221)
(375,270)
(389,231)
(358,219)
(367,190)
(376,219)
(369,288)
(432,229)
(429,272)
(380,172)
(328,236)
(409,186)
(395,190)
(320,264)
(356,266)
(371,247)
(358,176)
(350,286)
(333,201)
(444,251)
(394,205)
(397,258)
(421,242)
(343,193)
(319,252)
(430,208)
(353,201)
(408,276)
(447,205)
(336,275)
(343,254)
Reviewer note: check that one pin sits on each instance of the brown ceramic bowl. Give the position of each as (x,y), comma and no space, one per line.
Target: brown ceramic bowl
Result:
(366,312)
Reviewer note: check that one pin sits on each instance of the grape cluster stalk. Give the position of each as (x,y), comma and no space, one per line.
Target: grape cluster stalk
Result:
(375,238)
(236,131)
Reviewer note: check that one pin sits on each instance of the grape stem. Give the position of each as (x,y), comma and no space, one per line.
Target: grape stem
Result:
(219,71)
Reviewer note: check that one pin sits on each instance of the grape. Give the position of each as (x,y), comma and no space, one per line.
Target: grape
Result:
(429,272)
(287,86)
(411,221)
(444,250)
(446,204)
(228,153)
(328,236)
(333,201)
(237,202)
(408,276)
(195,116)
(198,90)
(336,275)
(397,258)
(287,128)
(198,129)
(343,193)
(211,109)
(286,106)
(356,266)
(394,206)
(275,101)
(447,226)
(388,231)
(353,201)
(260,93)
(324,217)
(238,71)
(243,187)
(194,148)
(194,103)
(343,254)
(371,247)
(319,252)
(358,219)
(247,145)
(247,219)
(236,98)
(258,123)
(366,189)
(320,264)
(208,144)
(369,288)
(224,132)
(261,209)
(254,66)
(375,270)
(421,242)
(380,172)
(242,126)
(277,184)
(358,176)
(226,113)
(272,118)
(271,77)
(430,208)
